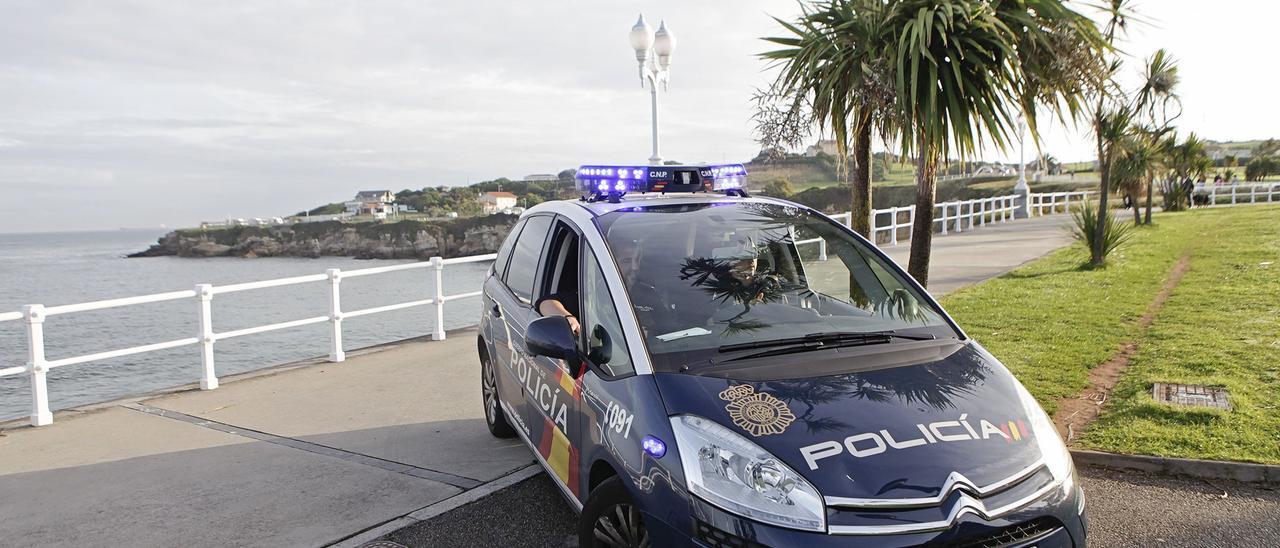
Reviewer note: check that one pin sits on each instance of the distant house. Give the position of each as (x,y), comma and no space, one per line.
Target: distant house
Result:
(540,178)
(380,196)
(494,202)
(372,202)
(827,146)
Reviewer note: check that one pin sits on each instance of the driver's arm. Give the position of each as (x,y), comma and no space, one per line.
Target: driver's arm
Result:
(551,306)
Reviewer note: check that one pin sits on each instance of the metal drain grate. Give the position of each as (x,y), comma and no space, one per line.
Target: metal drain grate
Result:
(1191,395)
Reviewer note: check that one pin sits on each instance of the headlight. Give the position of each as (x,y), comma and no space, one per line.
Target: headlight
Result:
(1052,449)
(735,474)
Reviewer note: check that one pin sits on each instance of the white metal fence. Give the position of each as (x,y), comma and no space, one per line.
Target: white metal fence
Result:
(1057,201)
(1242,194)
(33,316)
(893,225)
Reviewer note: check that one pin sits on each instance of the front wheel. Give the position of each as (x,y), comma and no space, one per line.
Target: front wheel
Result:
(493,417)
(611,518)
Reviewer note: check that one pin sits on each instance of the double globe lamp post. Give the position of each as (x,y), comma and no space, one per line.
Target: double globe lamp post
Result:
(653,54)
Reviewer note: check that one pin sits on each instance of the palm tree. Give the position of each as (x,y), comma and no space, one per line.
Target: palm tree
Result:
(1139,156)
(834,59)
(965,70)
(1109,122)
(1156,98)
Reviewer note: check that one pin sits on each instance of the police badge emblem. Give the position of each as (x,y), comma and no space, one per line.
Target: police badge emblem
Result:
(756,412)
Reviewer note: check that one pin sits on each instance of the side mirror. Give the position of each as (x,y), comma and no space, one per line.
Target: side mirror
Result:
(552,337)
(601,347)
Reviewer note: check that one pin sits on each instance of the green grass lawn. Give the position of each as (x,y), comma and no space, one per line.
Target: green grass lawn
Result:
(1050,322)
(1220,327)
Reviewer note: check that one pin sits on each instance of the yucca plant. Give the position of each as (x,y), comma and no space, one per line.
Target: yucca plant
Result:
(1114,232)
(1176,195)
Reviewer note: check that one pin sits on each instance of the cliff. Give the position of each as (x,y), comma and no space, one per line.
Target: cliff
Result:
(398,240)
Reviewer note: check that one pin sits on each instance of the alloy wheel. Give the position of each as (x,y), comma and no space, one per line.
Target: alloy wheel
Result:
(621,526)
(490,387)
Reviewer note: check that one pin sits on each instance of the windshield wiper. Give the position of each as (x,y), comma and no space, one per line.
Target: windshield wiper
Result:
(816,341)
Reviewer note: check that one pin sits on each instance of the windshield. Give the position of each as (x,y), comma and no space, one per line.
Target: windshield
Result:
(705,276)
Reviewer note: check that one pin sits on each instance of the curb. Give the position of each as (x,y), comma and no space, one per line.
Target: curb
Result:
(1244,472)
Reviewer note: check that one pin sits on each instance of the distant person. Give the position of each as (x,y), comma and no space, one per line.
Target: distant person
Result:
(1217,179)
(1189,191)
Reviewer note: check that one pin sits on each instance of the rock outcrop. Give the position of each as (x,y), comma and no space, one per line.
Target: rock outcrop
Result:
(398,240)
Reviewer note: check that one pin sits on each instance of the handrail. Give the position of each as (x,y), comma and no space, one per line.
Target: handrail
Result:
(38,365)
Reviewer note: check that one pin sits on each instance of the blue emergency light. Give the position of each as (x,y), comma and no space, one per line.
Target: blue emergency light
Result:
(613,182)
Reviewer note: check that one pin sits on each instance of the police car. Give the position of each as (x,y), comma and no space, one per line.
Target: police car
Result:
(696,366)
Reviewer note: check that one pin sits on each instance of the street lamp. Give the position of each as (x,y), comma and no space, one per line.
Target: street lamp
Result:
(1021,189)
(653,55)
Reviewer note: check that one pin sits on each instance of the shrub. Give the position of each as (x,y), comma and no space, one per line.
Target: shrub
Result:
(1175,195)
(1085,221)
(779,187)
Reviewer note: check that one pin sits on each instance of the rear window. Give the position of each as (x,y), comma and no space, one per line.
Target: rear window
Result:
(525,255)
(504,251)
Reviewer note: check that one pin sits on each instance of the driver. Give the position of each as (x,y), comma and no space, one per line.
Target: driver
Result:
(565,304)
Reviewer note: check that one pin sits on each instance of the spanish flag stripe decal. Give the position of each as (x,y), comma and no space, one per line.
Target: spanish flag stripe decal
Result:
(1013,427)
(567,383)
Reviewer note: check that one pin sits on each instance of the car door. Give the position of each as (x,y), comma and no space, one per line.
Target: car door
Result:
(551,386)
(513,308)
(494,328)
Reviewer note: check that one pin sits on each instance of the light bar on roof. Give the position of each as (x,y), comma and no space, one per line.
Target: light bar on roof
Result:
(618,180)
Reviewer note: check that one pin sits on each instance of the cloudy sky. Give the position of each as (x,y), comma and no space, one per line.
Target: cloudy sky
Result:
(141,113)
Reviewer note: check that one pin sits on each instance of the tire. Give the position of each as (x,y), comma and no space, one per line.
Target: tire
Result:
(493,416)
(611,518)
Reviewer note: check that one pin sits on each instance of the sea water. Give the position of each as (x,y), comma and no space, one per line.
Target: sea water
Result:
(65,268)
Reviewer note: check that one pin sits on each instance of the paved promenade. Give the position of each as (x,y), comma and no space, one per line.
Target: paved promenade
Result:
(315,453)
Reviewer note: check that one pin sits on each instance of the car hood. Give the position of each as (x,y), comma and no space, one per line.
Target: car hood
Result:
(895,421)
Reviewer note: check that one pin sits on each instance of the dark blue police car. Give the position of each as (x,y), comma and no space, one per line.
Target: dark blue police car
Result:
(696,366)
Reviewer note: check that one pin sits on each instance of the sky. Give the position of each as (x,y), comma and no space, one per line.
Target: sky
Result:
(142,113)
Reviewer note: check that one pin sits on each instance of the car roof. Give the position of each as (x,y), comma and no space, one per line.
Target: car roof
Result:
(603,207)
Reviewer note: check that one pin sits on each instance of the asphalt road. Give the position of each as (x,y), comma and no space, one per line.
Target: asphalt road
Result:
(1125,509)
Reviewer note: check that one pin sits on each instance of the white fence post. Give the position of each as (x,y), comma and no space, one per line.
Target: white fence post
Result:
(893,226)
(944,218)
(1253,194)
(822,249)
(335,314)
(437,263)
(33,314)
(1233,194)
(204,296)
(911,221)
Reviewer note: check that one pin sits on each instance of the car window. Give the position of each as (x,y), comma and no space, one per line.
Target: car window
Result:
(525,255)
(704,276)
(602,330)
(504,251)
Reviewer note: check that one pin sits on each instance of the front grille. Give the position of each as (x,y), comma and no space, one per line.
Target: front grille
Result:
(1013,534)
(716,538)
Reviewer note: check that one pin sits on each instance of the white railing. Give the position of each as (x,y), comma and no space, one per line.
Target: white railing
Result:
(1058,202)
(33,316)
(1243,194)
(954,216)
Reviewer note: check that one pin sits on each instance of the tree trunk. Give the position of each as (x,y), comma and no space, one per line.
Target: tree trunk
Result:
(860,218)
(1097,254)
(922,228)
(1150,190)
(1137,210)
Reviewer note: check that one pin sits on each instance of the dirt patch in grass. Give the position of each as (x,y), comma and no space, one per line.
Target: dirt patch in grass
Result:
(1075,414)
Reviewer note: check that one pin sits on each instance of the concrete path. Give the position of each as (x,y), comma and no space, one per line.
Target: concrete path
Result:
(960,260)
(302,457)
(316,453)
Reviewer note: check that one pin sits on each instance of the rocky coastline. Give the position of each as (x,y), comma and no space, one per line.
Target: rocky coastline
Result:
(393,240)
